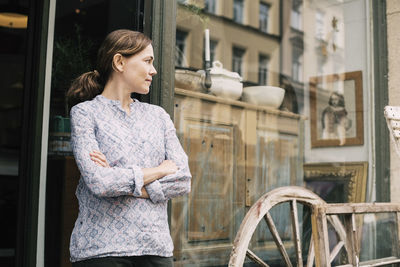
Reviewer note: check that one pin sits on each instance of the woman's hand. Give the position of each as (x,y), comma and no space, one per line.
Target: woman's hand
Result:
(99,158)
(165,168)
(168,167)
(144,193)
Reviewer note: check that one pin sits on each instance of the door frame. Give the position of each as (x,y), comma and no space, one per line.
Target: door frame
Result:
(30,165)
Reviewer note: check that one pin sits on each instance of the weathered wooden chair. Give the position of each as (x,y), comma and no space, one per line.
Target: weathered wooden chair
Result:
(353,232)
(319,251)
(392,115)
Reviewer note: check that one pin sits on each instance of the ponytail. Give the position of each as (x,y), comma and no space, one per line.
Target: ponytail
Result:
(85,87)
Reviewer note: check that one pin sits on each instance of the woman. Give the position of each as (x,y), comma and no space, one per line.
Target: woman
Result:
(129,157)
(334,119)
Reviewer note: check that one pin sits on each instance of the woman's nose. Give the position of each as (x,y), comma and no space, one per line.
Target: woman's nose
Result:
(153,71)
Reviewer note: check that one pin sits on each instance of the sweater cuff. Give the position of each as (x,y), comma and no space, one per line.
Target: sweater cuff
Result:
(137,181)
(155,192)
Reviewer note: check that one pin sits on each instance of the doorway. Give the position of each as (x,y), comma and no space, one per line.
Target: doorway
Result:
(78,33)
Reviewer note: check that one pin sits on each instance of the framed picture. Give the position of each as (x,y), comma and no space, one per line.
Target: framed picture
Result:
(336,110)
(339,182)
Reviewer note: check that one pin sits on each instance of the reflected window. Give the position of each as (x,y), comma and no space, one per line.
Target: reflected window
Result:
(296,18)
(319,25)
(238,7)
(264,16)
(180,49)
(210,6)
(213,48)
(263,62)
(237,60)
(320,64)
(297,53)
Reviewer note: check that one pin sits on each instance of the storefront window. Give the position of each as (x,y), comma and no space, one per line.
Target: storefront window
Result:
(242,144)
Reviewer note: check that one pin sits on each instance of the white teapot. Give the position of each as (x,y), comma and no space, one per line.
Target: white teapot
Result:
(225,83)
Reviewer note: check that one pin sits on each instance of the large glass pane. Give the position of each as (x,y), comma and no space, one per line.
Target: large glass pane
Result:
(287,105)
(381,229)
(13,49)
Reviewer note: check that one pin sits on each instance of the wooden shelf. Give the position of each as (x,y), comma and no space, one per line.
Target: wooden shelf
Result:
(237,103)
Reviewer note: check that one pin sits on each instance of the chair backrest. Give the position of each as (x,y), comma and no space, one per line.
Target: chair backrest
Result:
(392,115)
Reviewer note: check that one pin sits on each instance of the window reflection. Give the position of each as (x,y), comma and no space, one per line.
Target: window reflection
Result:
(180,51)
(297,54)
(237,60)
(236,152)
(319,24)
(376,228)
(210,6)
(213,49)
(296,17)
(263,62)
(243,147)
(264,17)
(238,9)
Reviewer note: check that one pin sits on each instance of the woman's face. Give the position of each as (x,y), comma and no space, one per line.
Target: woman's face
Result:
(139,71)
(335,100)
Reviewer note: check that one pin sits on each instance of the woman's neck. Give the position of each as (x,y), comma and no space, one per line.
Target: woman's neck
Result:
(115,91)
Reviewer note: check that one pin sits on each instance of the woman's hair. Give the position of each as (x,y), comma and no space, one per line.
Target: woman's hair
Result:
(90,84)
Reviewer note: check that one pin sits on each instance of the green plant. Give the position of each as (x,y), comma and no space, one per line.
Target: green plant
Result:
(197,11)
(71,57)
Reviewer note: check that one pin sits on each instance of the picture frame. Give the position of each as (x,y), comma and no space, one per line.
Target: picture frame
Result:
(336,110)
(339,182)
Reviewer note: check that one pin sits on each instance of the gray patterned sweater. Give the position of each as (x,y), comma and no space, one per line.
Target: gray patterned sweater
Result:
(112,220)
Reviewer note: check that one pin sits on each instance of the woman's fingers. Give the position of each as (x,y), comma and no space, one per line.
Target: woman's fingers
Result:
(98,162)
(169,167)
(99,158)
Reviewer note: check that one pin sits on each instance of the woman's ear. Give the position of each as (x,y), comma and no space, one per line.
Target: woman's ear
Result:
(118,62)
